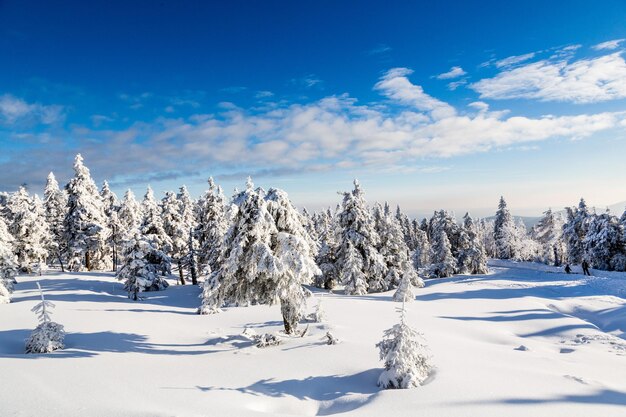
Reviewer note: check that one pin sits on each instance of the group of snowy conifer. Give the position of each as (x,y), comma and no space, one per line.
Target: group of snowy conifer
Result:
(241,249)
(578,235)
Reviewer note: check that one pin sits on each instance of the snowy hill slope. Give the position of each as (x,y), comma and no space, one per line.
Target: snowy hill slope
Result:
(524,340)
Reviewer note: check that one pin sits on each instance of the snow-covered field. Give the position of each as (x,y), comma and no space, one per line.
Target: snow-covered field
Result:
(525,340)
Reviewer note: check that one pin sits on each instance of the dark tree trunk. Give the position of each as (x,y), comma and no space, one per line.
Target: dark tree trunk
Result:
(194,274)
(289,316)
(87,263)
(181,273)
(60,261)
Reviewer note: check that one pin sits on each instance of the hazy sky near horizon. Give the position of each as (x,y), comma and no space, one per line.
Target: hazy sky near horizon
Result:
(430,104)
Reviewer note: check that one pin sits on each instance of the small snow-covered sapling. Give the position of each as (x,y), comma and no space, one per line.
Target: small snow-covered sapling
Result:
(48,336)
(404,352)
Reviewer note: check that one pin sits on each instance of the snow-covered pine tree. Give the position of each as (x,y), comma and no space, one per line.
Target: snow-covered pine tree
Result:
(326,226)
(190,261)
(267,259)
(407,229)
(294,254)
(484,229)
(129,215)
(152,223)
(405,355)
(505,233)
(603,244)
(443,264)
(188,210)
(471,258)
(351,271)
(55,205)
(211,229)
(548,233)
(177,231)
(309,225)
(48,336)
(358,242)
(404,293)
(575,230)
(85,223)
(111,206)
(8,263)
(392,247)
(143,266)
(29,229)
(420,255)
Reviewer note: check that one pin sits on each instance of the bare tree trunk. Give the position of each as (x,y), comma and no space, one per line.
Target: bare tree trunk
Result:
(87,263)
(289,314)
(60,261)
(180,272)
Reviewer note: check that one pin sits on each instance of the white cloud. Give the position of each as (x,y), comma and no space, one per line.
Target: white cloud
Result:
(331,133)
(263,94)
(308,81)
(608,45)
(15,110)
(455,72)
(379,49)
(456,84)
(583,81)
(513,60)
(395,85)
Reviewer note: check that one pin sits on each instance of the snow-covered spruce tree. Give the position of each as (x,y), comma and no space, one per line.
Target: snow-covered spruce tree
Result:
(392,247)
(404,293)
(407,228)
(471,258)
(484,229)
(294,254)
(267,257)
(505,233)
(405,355)
(603,243)
(211,229)
(420,255)
(111,206)
(48,336)
(176,230)
(575,230)
(55,205)
(548,233)
(351,271)
(129,215)
(8,263)
(85,222)
(309,224)
(326,226)
(29,229)
(190,262)
(143,265)
(443,264)
(188,211)
(358,242)
(152,223)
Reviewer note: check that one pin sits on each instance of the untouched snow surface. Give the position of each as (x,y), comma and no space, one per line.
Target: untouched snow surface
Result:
(525,340)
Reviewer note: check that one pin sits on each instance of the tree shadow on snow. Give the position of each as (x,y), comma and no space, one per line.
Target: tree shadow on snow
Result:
(525,315)
(81,290)
(336,393)
(79,345)
(601,396)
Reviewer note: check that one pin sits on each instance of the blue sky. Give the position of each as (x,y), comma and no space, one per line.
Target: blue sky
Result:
(429,104)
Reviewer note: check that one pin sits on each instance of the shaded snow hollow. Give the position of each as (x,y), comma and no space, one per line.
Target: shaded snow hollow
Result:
(157,357)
